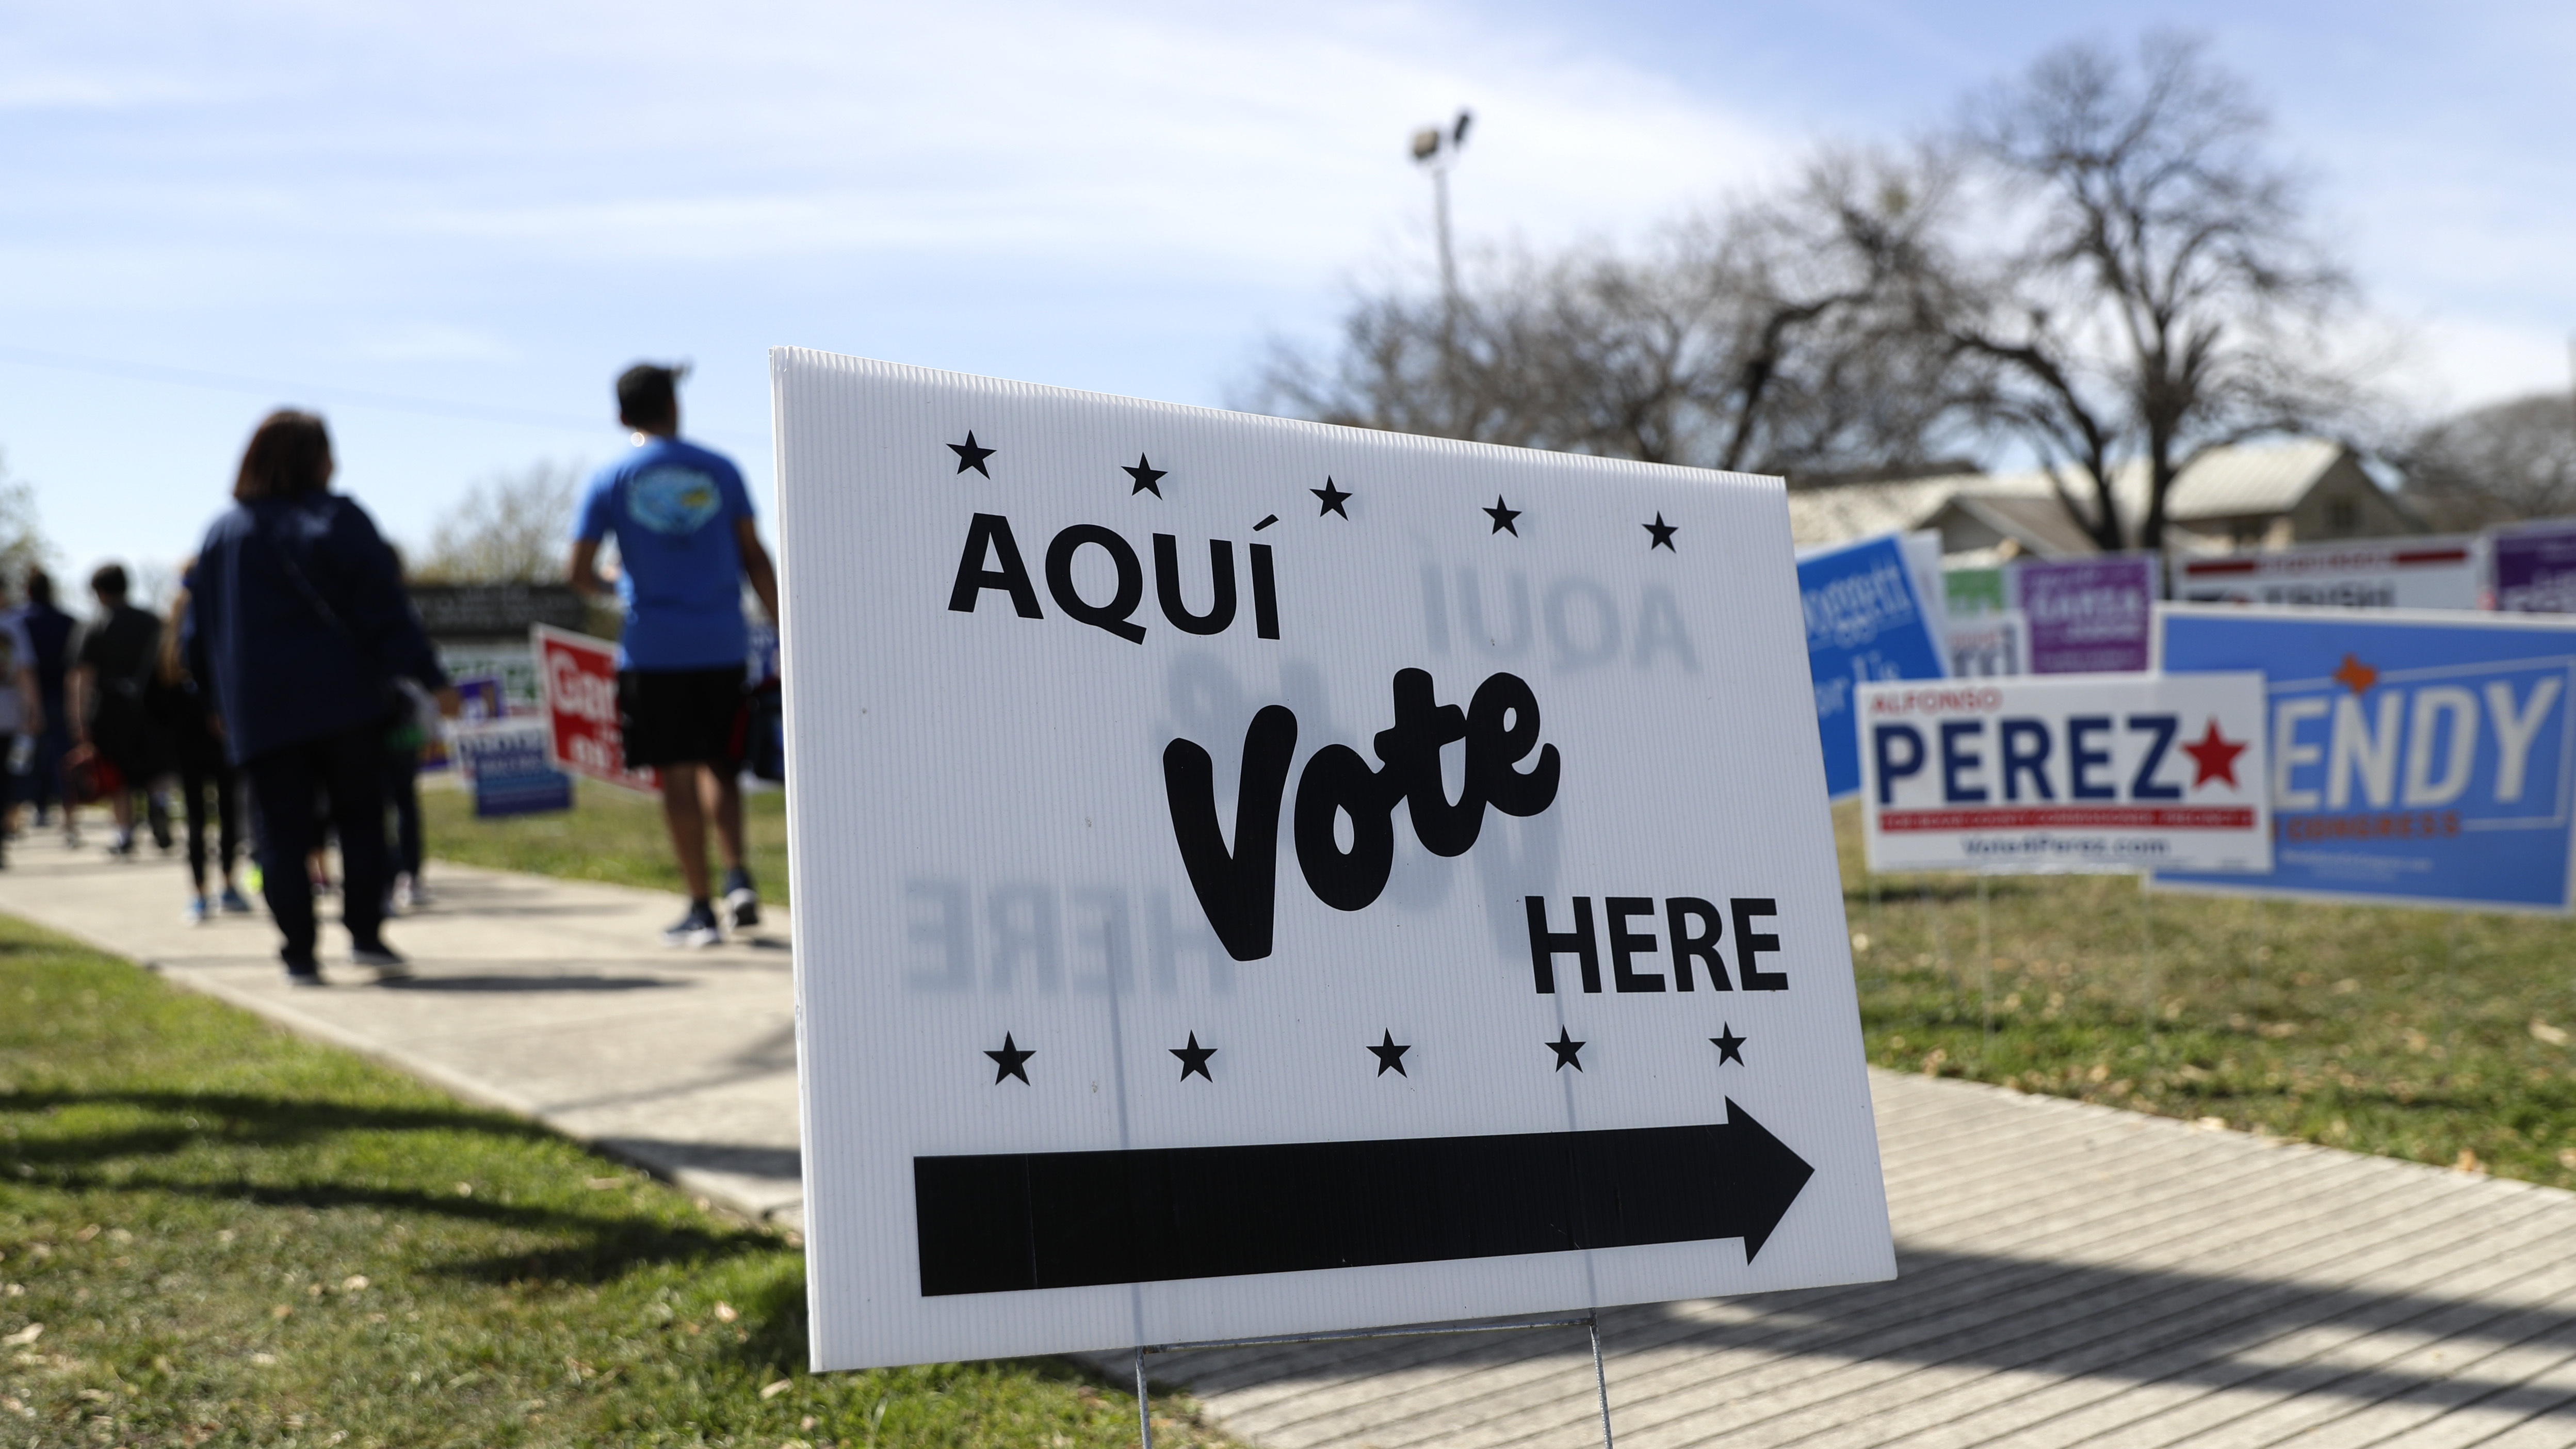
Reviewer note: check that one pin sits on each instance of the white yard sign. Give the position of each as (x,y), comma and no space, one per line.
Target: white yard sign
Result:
(2067,772)
(1254,877)
(2381,573)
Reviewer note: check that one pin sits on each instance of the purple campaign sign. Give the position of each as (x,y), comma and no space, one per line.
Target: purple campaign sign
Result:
(2535,572)
(2088,615)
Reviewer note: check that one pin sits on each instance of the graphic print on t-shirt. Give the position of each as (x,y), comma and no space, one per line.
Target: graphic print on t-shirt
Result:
(673,500)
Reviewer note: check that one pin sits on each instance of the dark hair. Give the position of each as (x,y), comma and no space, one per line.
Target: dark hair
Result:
(648,393)
(40,587)
(289,456)
(109,582)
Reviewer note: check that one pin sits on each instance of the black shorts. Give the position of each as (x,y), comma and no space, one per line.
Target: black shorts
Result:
(680,716)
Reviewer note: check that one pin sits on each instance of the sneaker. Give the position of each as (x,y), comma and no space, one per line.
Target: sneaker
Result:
(199,908)
(414,894)
(234,902)
(381,957)
(741,902)
(122,847)
(305,976)
(698,928)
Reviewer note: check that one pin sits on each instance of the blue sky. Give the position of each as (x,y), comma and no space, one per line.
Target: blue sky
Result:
(496,206)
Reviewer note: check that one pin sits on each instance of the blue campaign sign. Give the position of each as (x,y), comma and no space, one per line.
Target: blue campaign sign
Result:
(2416,758)
(511,776)
(1866,621)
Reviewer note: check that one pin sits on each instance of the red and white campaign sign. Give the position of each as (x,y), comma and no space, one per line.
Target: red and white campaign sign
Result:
(2067,772)
(2385,573)
(579,676)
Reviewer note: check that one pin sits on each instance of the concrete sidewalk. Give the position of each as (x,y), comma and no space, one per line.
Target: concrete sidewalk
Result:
(2069,1274)
(554,999)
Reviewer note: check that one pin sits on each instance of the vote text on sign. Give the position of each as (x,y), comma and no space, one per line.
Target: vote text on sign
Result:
(1256,877)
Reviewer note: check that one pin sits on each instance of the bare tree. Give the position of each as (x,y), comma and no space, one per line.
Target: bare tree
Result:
(2157,295)
(22,542)
(509,528)
(2496,464)
(1764,340)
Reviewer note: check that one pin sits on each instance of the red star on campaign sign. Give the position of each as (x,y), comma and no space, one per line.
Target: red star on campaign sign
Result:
(2216,756)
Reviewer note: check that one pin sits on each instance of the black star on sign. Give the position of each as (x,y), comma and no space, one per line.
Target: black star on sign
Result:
(1730,1047)
(1194,1058)
(1663,533)
(970,456)
(1333,498)
(1503,517)
(1390,1055)
(1007,1061)
(1149,479)
(1565,1047)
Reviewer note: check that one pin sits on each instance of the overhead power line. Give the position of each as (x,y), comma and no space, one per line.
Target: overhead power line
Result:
(275,389)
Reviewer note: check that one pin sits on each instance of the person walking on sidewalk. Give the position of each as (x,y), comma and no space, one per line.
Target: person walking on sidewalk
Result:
(197,751)
(21,718)
(49,632)
(306,628)
(111,676)
(686,543)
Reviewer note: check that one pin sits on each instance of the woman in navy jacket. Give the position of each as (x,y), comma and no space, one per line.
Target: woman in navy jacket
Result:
(300,613)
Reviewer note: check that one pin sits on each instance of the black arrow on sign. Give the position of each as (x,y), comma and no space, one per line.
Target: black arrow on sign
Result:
(1016,1221)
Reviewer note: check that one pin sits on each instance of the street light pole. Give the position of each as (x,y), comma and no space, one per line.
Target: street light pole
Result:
(1436,149)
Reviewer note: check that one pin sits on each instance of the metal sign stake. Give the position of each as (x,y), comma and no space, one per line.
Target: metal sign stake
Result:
(1590,1322)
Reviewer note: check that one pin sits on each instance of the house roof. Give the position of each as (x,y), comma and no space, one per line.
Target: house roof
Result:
(2036,521)
(2224,483)
(2233,482)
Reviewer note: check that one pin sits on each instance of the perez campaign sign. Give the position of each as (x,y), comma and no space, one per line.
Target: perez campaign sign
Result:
(2415,758)
(1868,617)
(1255,877)
(579,674)
(2078,772)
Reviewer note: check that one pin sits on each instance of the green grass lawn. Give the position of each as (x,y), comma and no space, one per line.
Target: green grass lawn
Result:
(212,1233)
(2443,1037)
(609,834)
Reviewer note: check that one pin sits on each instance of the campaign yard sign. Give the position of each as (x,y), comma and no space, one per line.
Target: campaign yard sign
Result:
(579,675)
(2073,772)
(2392,573)
(2416,759)
(1988,646)
(1868,617)
(1255,877)
(2087,615)
(2535,570)
(1971,591)
(505,762)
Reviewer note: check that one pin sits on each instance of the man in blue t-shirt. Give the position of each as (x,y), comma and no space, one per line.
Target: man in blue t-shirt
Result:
(685,545)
